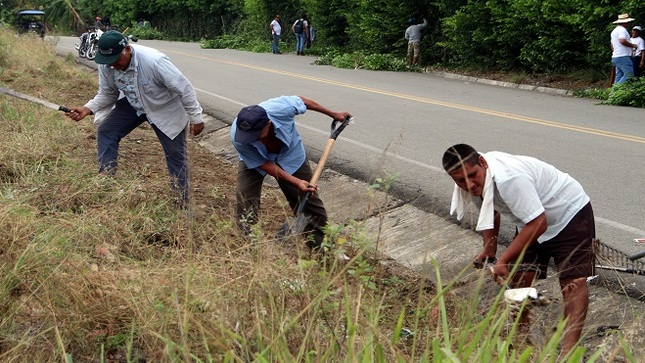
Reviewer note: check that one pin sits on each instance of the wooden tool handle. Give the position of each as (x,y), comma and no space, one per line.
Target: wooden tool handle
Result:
(321,162)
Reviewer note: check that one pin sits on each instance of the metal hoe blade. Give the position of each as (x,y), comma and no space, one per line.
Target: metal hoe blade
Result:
(293,227)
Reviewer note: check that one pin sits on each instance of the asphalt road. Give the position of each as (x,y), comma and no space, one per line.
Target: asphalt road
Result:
(405,121)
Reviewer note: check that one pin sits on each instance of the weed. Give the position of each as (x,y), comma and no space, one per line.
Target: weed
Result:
(595,93)
(630,93)
(229,41)
(362,271)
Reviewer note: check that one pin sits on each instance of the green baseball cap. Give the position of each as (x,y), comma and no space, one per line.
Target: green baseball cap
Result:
(111,44)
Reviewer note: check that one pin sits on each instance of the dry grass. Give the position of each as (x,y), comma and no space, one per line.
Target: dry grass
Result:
(104,269)
(99,269)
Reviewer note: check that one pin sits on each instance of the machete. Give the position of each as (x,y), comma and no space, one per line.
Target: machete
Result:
(23,96)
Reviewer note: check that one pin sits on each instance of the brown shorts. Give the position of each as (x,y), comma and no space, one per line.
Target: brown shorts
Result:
(572,249)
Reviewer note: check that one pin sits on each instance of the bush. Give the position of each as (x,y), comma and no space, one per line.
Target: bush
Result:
(327,58)
(146,32)
(223,42)
(631,93)
(229,41)
(358,60)
(596,93)
(346,60)
(384,62)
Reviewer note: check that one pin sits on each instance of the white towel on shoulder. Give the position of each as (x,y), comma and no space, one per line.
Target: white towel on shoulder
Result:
(461,199)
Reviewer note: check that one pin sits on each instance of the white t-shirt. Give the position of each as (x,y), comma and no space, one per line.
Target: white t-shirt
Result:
(526,187)
(641,46)
(620,50)
(277,29)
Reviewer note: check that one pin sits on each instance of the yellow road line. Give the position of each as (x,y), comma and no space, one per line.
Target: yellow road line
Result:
(485,111)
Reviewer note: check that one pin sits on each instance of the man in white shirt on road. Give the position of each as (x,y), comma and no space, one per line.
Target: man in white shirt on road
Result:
(553,215)
(638,57)
(276,30)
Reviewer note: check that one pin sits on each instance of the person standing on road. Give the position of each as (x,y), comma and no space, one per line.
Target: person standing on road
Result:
(553,215)
(311,34)
(267,141)
(638,57)
(413,35)
(622,49)
(276,29)
(155,91)
(301,29)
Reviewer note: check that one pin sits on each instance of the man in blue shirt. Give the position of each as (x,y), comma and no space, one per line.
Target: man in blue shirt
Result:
(267,142)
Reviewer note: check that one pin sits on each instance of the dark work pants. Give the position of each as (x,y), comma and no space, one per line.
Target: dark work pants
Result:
(636,61)
(249,188)
(119,123)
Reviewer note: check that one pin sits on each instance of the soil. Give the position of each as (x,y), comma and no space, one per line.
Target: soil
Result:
(213,179)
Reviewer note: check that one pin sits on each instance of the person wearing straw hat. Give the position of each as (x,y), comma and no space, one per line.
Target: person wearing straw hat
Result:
(621,47)
(638,57)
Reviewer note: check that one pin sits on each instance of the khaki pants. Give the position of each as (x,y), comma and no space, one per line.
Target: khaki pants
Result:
(414,48)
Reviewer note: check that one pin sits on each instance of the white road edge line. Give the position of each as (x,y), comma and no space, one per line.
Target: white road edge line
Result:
(221,97)
(621,226)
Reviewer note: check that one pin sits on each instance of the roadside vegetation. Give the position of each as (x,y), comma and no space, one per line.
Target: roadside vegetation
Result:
(100,269)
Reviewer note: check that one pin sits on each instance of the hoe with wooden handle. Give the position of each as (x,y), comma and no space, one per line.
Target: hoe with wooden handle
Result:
(294,227)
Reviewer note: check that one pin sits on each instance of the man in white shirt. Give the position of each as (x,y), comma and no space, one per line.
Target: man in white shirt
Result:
(553,215)
(622,49)
(638,57)
(276,30)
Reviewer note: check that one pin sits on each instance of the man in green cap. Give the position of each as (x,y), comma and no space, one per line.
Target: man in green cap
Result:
(152,89)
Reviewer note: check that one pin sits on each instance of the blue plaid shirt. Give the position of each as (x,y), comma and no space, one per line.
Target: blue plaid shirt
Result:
(126,83)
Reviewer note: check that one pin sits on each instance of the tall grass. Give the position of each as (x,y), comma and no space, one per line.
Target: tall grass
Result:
(97,269)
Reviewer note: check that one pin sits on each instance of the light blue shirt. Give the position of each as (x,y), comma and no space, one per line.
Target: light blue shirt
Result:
(413,32)
(281,111)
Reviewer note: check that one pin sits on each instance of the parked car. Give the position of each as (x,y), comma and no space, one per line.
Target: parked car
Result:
(31,21)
